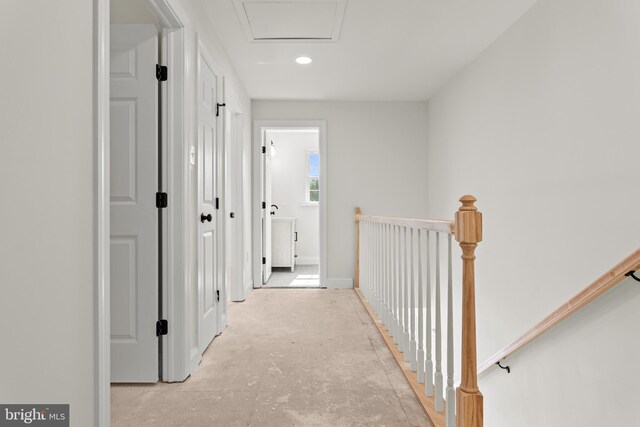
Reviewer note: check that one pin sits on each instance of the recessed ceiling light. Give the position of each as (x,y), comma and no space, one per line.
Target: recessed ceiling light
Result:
(303,60)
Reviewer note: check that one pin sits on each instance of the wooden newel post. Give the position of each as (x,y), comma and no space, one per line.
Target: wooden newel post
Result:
(357,278)
(468,230)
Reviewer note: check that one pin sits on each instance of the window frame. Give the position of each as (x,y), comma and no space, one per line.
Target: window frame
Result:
(308,178)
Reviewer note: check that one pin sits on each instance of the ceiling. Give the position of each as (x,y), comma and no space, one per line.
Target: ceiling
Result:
(385,50)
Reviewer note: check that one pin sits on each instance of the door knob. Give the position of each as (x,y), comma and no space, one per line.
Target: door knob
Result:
(204,217)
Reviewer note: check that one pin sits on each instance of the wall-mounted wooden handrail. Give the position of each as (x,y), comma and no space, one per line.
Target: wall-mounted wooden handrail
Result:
(421,224)
(575,304)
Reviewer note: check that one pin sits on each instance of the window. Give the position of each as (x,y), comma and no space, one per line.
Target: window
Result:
(313,177)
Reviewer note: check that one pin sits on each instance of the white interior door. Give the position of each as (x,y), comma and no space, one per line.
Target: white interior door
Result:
(266,216)
(134,216)
(209,222)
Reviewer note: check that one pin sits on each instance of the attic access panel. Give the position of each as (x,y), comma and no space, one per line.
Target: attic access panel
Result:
(291,21)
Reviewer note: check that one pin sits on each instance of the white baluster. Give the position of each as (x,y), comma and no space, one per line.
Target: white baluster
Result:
(363,258)
(394,283)
(378,267)
(380,275)
(413,363)
(385,281)
(451,394)
(403,324)
(406,298)
(379,263)
(378,272)
(387,293)
(428,369)
(400,292)
(439,390)
(364,264)
(370,264)
(420,314)
(374,267)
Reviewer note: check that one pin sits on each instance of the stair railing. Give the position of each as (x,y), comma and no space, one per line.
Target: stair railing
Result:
(399,280)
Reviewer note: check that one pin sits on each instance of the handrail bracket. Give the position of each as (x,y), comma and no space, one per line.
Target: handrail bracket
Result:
(632,275)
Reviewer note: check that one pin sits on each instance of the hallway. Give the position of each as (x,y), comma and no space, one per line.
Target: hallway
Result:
(289,357)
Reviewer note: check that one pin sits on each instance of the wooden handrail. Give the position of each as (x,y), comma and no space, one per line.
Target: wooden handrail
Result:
(579,301)
(422,224)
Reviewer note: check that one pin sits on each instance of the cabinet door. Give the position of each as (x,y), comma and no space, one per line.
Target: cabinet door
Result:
(281,248)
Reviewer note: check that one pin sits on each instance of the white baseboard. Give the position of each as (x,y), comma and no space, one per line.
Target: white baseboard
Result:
(195,357)
(307,260)
(339,283)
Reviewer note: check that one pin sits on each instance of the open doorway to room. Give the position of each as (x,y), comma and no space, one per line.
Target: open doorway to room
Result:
(290,190)
(291,220)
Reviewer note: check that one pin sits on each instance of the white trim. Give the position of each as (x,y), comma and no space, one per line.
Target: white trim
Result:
(170,16)
(234,107)
(339,283)
(258,127)
(176,95)
(102,233)
(248,287)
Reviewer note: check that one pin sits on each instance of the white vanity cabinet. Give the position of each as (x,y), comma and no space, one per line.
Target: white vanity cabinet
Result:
(283,242)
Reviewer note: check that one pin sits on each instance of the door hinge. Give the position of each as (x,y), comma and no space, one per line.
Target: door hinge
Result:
(264,205)
(218,108)
(218,296)
(162,200)
(264,260)
(162,327)
(264,149)
(161,72)
(217,202)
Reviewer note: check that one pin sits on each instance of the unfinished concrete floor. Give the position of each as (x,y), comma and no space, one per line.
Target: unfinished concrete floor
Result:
(289,357)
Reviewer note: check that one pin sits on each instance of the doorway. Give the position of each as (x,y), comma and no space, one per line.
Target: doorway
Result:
(291,220)
(290,224)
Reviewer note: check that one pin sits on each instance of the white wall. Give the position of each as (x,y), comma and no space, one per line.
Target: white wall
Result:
(543,128)
(376,155)
(47,271)
(289,176)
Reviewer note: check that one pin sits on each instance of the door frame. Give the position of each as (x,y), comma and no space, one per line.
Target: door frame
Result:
(180,355)
(258,127)
(177,38)
(234,172)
